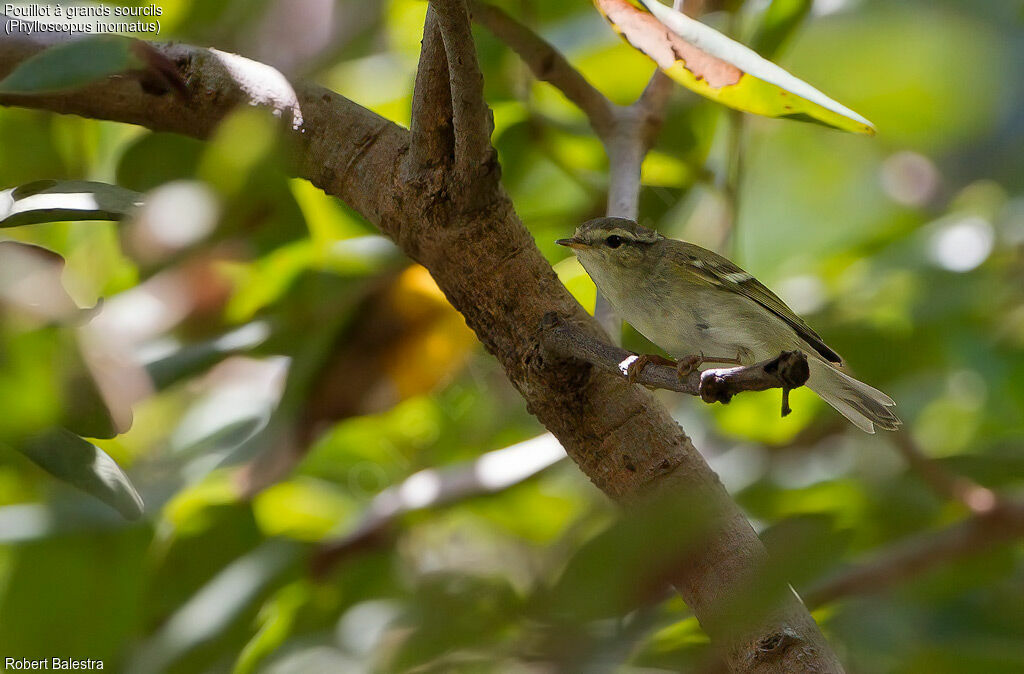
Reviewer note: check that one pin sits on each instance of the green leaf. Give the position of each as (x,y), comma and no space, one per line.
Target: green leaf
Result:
(276,618)
(72,64)
(193,359)
(778,24)
(82,464)
(179,157)
(717,67)
(216,607)
(646,543)
(56,200)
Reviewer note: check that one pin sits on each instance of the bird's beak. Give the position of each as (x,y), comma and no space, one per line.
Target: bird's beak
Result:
(578,244)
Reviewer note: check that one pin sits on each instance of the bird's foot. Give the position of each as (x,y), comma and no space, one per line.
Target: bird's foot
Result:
(687,365)
(636,368)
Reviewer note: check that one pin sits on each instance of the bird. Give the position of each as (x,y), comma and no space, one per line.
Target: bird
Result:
(701,308)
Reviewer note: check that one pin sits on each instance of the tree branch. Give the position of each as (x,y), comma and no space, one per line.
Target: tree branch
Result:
(627,132)
(548,65)
(334,134)
(655,97)
(787,371)
(652,104)
(490,269)
(490,473)
(945,484)
(912,557)
(473,120)
(432,136)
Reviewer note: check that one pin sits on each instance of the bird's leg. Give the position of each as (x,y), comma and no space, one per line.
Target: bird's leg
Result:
(636,368)
(687,365)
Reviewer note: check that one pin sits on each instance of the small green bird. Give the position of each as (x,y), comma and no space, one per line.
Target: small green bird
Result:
(691,302)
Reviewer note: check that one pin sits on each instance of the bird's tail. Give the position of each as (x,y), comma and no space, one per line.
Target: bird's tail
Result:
(865,406)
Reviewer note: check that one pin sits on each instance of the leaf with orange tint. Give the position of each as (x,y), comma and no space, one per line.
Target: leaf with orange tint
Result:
(717,67)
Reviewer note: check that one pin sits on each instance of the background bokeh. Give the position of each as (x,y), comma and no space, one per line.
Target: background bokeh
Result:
(308,415)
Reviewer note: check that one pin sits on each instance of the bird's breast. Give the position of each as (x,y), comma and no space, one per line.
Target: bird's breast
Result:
(686,318)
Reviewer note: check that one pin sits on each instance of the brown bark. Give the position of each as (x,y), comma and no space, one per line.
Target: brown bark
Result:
(466,232)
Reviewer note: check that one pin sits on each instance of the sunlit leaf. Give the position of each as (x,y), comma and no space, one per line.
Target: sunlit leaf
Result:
(277,618)
(190,510)
(713,65)
(303,509)
(678,636)
(31,392)
(82,464)
(57,200)
(756,417)
(574,277)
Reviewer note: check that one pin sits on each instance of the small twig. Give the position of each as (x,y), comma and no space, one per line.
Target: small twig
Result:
(652,102)
(732,180)
(547,64)
(632,135)
(627,132)
(912,557)
(733,165)
(788,371)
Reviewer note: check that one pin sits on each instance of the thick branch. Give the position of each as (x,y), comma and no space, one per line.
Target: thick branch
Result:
(787,371)
(548,65)
(335,136)
(473,120)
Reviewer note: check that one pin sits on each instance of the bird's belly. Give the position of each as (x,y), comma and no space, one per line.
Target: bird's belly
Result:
(710,323)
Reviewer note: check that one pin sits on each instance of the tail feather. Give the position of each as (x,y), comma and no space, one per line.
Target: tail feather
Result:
(863,405)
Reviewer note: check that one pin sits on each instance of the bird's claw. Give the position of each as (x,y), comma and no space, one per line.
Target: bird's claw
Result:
(636,368)
(687,365)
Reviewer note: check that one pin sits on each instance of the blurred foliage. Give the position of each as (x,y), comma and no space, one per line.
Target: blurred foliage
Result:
(261,365)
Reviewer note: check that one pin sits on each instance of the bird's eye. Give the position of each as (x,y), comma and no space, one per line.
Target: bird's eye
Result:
(614,241)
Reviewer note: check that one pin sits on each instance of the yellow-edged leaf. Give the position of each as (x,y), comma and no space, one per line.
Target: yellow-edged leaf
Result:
(717,67)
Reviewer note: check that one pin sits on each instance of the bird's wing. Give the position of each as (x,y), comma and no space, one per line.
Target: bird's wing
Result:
(719,271)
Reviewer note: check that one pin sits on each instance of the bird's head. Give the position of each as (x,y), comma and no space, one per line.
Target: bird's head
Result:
(613,242)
